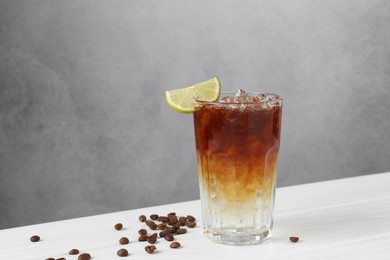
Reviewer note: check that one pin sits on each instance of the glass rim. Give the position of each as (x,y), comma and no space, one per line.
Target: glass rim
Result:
(277,98)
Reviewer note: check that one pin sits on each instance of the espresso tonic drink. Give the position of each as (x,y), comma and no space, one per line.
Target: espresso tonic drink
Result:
(237,145)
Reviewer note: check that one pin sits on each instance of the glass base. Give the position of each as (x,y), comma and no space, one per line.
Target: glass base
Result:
(237,237)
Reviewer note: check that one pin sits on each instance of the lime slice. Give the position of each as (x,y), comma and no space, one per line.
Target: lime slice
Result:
(183,100)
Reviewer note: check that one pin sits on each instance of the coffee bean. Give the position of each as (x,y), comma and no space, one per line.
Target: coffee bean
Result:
(162,219)
(154,235)
(175,245)
(152,239)
(171,214)
(84,256)
(165,232)
(176,225)
(153,226)
(35,238)
(142,218)
(162,226)
(74,251)
(118,226)
(294,239)
(168,237)
(171,223)
(150,249)
(122,252)
(191,224)
(61,258)
(190,218)
(143,238)
(173,230)
(154,217)
(172,219)
(50,258)
(142,231)
(123,241)
(182,221)
(181,231)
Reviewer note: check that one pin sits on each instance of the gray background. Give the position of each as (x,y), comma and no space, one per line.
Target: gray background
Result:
(85,128)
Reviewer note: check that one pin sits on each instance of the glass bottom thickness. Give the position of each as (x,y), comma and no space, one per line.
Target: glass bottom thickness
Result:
(242,236)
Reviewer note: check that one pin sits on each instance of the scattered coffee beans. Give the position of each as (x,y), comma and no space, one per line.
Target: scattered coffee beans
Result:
(35,238)
(123,241)
(84,256)
(150,249)
(175,245)
(142,218)
(169,225)
(122,252)
(171,219)
(294,239)
(118,226)
(74,251)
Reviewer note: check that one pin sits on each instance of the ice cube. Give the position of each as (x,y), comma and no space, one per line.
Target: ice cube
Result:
(227,99)
(255,99)
(240,92)
(263,97)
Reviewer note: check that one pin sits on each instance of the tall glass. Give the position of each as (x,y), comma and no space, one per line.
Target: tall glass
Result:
(237,145)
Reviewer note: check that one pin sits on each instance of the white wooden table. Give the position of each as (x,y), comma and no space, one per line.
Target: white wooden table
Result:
(339,219)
